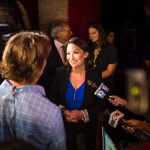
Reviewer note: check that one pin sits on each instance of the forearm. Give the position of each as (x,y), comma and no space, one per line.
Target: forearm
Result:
(109,71)
(146,126)
(106,74)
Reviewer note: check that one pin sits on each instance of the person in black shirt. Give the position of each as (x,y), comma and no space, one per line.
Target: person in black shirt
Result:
(102,57)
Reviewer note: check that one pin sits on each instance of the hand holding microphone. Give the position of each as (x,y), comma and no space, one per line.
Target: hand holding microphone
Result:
(116,100)
(102,91)
(139,129)
(115,117)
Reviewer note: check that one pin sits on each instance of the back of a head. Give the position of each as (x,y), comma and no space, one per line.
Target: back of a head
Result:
(24,54)
(16,144)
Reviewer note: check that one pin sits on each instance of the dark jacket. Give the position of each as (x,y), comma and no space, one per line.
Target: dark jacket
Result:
(93,105)
(90,101)
(107,55)
(53,61)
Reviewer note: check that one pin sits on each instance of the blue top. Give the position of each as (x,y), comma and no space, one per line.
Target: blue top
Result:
(26,114)
(74,97)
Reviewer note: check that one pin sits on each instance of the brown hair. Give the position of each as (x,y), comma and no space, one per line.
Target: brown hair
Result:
(102,37)
(24,55)
(80,43)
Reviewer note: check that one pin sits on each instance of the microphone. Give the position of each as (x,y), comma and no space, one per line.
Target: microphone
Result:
(116,118)
(101,91)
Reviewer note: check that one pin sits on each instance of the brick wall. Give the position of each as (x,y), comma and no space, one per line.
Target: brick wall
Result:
(50,10)
(4,16)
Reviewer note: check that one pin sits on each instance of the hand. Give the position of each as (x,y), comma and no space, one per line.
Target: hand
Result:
(78,114)
(66,113)
(74,116)
(128,129)
(116,100)
(133,123)
(68,116)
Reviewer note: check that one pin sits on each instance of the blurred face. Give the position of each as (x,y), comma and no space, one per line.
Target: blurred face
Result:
(65,34)
(110,38)
(76,56)
(93,34)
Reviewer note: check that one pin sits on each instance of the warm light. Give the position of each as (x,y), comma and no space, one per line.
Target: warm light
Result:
(134,90)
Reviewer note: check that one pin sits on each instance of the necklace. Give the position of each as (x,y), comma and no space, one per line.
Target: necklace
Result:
(96,52)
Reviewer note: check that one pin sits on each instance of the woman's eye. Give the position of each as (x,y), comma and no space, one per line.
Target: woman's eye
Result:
(76,52)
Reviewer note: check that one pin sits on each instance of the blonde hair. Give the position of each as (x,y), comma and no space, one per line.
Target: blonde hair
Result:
(24,55)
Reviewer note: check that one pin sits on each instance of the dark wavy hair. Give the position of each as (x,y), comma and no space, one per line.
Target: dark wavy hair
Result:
(102,36)
(80,43)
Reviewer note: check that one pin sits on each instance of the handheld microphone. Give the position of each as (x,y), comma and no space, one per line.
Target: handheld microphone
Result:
(102,91)
(116,118)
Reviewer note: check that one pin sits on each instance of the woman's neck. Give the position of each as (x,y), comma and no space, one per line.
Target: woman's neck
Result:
(78,69)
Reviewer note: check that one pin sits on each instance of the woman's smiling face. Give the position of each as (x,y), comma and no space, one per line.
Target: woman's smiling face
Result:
(75,55)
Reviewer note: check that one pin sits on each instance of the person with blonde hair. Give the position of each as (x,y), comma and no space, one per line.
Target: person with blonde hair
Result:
(25,112)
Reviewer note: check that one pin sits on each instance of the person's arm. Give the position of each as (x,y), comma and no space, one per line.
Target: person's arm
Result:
(117,101)
(112,59)
(109,71)
(133,123)
(146,126)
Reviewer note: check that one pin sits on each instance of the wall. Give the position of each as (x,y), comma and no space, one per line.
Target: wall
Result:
(82,13)
(79,13)
(50,10)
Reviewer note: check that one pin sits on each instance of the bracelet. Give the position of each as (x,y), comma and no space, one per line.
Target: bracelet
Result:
(86,115)
(84,118)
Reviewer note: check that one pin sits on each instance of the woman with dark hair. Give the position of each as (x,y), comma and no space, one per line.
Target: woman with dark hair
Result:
(110,37)
(103,57)
(73,91)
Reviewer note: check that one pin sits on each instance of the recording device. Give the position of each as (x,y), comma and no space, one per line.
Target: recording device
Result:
(116,118)
(102,91)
